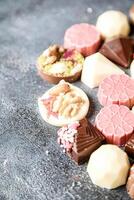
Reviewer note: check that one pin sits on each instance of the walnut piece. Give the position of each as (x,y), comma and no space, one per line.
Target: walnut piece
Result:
(50,60)
(70,104)
(63,88)
(52,54)
(57,103)
(54,50)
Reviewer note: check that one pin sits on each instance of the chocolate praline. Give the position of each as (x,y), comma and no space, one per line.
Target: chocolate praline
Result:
(79,140)
(57,63)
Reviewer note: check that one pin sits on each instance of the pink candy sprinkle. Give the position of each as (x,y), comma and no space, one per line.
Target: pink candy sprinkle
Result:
(68,54)
(47,104)
(66,136)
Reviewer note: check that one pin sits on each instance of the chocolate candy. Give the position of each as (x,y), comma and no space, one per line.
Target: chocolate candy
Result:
(108,167)
(57,63)
(63,104)
(79,140)
(130,183)
(113,23)
(117,89)
(116,123)
(129,147)
(118,50)
(83,37)
(97,67)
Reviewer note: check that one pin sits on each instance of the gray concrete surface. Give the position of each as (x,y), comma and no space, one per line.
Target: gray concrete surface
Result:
(32,166)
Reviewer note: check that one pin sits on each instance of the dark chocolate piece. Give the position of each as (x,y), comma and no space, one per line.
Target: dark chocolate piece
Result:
(129,147)
(86,139)
(130,183)
(118,50)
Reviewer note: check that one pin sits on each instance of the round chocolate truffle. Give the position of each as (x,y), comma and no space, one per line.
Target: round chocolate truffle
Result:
(113,23)
(108,167)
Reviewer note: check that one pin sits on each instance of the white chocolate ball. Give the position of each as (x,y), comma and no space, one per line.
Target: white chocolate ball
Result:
(113,23)
(108,167)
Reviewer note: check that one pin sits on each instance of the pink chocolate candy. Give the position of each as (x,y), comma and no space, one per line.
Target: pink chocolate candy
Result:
(117,89)
(116,123)
(83,37)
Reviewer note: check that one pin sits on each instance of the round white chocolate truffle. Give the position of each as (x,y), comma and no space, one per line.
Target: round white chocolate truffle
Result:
(113,23)
(108,167)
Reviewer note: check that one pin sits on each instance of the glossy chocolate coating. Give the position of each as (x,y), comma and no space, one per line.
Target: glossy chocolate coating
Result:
(118,50)
(87,140)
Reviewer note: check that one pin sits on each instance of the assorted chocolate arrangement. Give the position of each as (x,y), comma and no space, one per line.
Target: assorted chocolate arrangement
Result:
(98,56)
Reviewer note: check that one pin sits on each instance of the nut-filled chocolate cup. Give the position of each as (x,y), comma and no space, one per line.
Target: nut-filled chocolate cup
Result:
(57,63)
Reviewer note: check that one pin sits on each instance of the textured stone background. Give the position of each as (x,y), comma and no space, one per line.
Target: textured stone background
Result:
(32,166)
